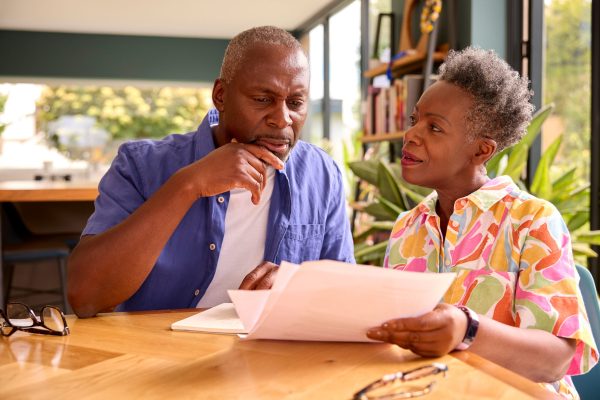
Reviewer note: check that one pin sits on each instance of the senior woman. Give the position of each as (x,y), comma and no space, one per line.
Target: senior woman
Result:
(515,300)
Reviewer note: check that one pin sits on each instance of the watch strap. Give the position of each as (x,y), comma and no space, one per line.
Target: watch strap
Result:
(472,327)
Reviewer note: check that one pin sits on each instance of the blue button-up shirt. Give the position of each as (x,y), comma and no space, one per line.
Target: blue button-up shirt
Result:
(307,217)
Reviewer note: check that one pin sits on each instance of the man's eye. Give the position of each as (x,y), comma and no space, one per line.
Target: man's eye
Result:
(295,103)
(261,99)
(412,120)
(435,128)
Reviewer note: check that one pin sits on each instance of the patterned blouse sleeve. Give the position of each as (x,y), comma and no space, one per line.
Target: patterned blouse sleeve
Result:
(547,295)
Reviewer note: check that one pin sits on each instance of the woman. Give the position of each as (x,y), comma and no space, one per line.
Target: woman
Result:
(515,300)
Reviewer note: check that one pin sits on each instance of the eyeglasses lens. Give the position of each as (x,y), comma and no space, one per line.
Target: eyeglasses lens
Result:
(52,319)
(6,329)
(19,315)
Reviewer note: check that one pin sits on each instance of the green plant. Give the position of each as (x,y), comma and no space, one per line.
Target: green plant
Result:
(386,194)
(129,112)
(3,99)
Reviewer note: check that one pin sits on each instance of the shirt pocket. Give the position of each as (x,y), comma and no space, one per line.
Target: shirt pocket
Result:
(301,243)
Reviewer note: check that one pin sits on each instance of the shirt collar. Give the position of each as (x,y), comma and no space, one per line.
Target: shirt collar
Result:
(205,143)
(484,198)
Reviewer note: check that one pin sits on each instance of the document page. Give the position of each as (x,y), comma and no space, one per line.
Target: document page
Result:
(334,301)
(220,319)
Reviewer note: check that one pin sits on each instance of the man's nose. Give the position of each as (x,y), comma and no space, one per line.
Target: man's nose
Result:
(279,117)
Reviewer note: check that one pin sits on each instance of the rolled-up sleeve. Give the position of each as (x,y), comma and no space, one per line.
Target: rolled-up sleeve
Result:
(119,196)
(547,295)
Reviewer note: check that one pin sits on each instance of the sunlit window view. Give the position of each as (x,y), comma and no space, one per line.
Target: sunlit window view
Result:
(74,131)
(567,83)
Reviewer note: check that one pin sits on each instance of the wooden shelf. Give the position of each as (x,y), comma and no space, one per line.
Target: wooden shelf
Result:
(408,63)
(382,137)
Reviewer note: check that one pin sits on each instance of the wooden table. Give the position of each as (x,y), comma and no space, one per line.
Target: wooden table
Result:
(42,191)
(137,356)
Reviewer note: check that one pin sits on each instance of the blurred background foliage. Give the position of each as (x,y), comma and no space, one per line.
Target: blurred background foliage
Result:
(3,99)
(567,83)
(128,112)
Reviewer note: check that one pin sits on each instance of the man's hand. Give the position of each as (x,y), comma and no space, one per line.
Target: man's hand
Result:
(261,277)
(431,335)
(234,165)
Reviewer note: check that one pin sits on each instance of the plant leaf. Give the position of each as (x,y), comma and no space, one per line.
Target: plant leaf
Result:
(541,185)
(365,170)
(380,212)
(583,249)
(389,187)
(577,220)
(493,165)
(591,237)
(370,252)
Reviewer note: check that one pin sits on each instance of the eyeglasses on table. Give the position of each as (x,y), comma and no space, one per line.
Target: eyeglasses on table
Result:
(20,317)
(403,385)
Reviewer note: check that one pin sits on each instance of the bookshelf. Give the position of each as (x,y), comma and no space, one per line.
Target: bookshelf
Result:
(382,137)
(387,108)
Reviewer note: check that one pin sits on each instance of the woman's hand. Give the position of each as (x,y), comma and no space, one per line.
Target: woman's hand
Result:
(431,335)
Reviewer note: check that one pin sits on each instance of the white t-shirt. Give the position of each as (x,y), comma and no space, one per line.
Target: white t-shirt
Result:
(243,245)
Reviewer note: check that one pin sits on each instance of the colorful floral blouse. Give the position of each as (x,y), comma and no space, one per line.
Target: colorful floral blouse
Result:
(512,255)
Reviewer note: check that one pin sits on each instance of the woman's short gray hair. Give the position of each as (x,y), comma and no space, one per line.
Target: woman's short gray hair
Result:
(244,41)
(501,109)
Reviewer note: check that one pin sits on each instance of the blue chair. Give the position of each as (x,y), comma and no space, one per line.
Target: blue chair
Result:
(588,385)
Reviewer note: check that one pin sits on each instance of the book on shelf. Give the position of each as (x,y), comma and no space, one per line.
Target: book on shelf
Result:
(387,109)
(384,109)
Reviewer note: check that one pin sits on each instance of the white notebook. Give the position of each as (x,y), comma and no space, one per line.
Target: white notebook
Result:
(219,319)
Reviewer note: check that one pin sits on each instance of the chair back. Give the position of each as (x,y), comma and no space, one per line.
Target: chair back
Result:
(588,385)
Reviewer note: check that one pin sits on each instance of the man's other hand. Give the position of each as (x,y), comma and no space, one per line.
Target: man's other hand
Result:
(261,277)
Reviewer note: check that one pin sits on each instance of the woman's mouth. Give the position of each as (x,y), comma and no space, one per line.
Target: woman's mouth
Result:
(409,159)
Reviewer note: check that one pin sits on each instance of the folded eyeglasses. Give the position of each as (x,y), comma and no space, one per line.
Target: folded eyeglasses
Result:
(403,384)
(20,317)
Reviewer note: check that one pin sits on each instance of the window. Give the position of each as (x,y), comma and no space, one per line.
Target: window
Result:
(74,130)
(567,83)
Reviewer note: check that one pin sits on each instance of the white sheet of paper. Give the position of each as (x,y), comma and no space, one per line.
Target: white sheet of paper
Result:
(220,319)
(334,301)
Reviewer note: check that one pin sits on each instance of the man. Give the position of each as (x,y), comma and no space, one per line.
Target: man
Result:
(180,220)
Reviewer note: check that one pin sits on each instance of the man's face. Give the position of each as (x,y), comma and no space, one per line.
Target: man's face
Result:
(266,102)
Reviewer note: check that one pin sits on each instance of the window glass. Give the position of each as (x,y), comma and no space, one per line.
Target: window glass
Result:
(60,130)
(567,83)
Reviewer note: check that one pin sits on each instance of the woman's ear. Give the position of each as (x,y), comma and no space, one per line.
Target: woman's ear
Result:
(218,95)
(485,150)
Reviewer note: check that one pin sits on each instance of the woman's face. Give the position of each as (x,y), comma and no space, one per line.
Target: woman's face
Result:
(437,153)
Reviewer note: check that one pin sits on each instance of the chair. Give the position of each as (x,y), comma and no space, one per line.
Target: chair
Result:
(588,385)
(19,245)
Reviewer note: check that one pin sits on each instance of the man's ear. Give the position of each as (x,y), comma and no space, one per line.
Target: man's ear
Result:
(218,95)
(485,150)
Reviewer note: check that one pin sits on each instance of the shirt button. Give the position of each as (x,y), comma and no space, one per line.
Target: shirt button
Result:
(212,246)
(220,199)
(196,292)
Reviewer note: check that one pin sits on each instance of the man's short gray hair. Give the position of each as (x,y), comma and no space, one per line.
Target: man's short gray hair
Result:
(242,42)
(501,108)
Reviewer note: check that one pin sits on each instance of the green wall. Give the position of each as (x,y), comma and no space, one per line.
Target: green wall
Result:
(93,56)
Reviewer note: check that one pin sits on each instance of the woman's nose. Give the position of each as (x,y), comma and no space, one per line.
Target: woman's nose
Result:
(412,135)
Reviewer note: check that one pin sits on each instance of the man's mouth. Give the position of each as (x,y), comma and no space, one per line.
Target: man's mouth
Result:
(409,159)
(279,147)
